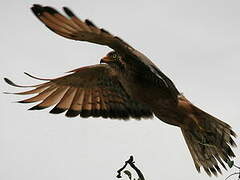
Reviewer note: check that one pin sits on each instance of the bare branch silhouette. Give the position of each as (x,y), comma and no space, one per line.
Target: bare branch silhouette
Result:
(231,164)
(131,162)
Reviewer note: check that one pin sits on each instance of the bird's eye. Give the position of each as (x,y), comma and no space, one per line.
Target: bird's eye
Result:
(114,56)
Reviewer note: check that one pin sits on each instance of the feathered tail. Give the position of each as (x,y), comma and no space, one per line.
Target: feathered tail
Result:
(209,142)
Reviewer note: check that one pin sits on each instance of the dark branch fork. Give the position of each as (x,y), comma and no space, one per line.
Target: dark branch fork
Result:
(131,162)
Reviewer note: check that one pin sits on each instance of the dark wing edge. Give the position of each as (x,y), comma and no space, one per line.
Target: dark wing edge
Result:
(89,92)
(72,27)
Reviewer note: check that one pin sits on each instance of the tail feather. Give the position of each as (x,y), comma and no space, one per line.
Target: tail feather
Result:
(209,142)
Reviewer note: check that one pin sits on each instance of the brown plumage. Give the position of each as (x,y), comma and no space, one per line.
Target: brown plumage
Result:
(127,86)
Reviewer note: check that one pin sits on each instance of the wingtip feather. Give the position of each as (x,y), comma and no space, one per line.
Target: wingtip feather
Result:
(68,12)
(37,107)
(8,81)
(218,169)
(233,133)
(56,110)
(90,23)
(50,10)
(72,113)
(34,77)
(37,9)
(11,83)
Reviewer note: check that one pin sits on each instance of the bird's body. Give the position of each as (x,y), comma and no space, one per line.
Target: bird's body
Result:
(142,83)
(128,85)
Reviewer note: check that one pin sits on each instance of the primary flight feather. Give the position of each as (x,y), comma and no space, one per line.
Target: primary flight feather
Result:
(127,85)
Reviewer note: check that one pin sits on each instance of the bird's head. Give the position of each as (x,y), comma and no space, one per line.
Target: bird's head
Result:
(113,59)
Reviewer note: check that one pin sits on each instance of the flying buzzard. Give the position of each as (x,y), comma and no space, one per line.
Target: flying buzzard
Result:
(126,84)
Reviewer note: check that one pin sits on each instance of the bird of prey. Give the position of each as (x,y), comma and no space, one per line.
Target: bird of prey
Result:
(126,84)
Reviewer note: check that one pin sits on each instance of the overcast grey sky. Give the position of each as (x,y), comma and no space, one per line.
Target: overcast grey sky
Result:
(196,43)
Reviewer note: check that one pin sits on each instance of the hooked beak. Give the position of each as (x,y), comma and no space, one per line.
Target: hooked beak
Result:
(105,59)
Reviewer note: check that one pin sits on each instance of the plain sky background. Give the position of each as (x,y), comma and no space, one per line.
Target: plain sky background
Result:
(196,43)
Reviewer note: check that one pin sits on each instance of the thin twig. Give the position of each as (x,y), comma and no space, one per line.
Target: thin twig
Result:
(238,167)
(121,169)
(236,173)
(131,163)
(231,175)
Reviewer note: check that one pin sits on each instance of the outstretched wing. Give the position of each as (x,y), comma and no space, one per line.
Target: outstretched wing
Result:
(88,91)
(74,28)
